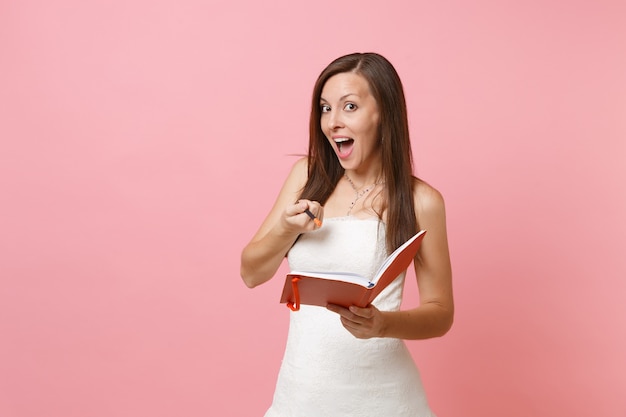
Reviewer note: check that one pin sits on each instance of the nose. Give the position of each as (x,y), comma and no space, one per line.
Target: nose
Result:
(334,120)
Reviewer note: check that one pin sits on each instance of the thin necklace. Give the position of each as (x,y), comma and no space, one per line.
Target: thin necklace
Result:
(358,194)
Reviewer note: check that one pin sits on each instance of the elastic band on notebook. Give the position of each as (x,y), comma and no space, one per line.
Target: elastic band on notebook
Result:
(295,306)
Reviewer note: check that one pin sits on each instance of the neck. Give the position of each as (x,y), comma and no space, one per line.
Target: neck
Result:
(359,181)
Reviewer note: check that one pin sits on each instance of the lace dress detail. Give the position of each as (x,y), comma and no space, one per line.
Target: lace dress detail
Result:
(326,371)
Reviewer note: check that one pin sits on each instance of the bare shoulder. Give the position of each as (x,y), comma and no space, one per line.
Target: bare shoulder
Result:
(292,186)
(298,175)
(428,200)
(300,167)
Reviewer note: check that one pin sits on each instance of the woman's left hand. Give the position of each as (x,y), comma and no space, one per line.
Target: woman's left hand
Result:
(363,323)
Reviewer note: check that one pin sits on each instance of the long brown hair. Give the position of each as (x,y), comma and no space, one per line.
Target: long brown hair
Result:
(324,168)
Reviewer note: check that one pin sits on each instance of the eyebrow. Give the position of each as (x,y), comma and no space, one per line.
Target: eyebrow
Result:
(342,97)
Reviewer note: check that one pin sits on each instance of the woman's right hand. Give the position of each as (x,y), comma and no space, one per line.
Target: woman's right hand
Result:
(295,219)
(263,255)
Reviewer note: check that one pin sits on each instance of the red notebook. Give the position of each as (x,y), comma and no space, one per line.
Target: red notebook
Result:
(344,288)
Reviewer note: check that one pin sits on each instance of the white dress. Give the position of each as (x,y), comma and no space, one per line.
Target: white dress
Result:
(326,371)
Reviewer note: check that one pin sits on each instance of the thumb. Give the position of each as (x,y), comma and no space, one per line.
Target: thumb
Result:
(297,208)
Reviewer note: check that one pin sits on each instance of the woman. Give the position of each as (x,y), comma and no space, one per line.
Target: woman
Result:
(358,178)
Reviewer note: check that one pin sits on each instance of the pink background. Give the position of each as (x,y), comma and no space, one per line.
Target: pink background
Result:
(144,141)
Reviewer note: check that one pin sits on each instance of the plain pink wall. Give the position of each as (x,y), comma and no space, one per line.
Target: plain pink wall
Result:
(142,142)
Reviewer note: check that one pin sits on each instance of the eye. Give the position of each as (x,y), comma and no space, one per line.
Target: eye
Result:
(325,108)
(350,106)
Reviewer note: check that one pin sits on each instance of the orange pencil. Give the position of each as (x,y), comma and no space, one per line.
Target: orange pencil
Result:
(317,221)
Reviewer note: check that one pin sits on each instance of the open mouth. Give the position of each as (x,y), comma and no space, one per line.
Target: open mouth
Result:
(344,145)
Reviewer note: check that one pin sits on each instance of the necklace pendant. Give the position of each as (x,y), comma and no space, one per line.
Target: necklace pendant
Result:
(358,194)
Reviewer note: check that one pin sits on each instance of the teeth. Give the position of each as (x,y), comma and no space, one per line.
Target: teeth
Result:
(341,141)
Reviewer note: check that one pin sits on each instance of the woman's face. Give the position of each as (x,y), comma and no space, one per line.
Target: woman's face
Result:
(350,119)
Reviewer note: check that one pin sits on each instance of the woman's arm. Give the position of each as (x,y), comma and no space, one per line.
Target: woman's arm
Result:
(434,316)
(261,258)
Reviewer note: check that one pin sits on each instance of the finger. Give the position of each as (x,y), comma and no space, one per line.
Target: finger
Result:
(317,222)
(346,315)
(307,211)
(338,309)
(356,330)
(349,324)
(315,211)
(367,312)
(345,312)
(297,208)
